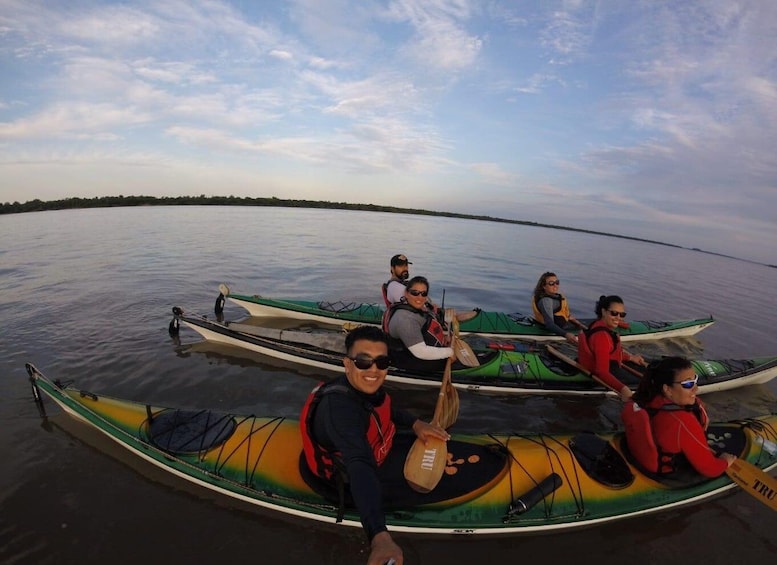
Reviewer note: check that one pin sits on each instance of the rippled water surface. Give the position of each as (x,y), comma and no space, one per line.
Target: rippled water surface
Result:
(87,295)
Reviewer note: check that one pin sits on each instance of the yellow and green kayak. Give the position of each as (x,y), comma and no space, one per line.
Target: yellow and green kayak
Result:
(494,484)
(490,324)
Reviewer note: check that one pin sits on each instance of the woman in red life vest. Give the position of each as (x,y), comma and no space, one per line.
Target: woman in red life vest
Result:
(348,426)
(666,423)
(599,347)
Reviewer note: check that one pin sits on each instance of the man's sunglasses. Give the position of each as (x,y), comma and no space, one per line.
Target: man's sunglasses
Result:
(615,314)
(415,292)
(690,383)
(364,362)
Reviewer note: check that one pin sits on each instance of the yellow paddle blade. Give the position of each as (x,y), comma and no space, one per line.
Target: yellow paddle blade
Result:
(755,482)
(425,464)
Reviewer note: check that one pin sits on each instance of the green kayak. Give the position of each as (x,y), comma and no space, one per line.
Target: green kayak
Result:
(494,484)
(519,368)
(490,324)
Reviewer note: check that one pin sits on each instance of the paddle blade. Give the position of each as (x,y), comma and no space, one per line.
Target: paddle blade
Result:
(754,481)
(425,464)
(464,353)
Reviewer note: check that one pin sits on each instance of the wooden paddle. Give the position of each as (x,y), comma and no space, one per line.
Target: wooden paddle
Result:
(426,461)
(633,371)
(461,348)
(754,480)
(450,400)
(450,410)
(556,353)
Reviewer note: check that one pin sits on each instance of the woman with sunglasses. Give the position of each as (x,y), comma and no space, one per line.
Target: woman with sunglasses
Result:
(348,430)
(551,308)
(599,347)
(666,423)
(418,335)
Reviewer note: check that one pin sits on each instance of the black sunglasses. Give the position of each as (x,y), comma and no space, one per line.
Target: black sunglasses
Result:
(553,283)
(364,362)
(415,292)
(615,314)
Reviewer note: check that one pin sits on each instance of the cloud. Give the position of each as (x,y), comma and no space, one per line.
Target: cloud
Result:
(651,114)
(441,40)
(567,32)
(74,121)
(493,173)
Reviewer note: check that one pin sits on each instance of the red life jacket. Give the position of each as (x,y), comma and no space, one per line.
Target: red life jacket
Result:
(384,290)
(380,433)
(639,435)
(585,355)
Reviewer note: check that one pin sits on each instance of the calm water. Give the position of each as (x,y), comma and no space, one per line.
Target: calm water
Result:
(86,295)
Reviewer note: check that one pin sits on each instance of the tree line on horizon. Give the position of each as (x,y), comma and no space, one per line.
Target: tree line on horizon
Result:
(38,205)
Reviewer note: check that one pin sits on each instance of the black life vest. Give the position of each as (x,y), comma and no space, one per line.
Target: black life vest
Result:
(433,329)
(433,332)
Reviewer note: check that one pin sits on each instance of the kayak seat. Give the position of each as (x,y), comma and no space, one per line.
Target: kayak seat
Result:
(472,469)
(189,431)
(601,461)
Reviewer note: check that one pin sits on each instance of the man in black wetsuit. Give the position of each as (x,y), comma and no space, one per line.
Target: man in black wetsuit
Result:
(348,427)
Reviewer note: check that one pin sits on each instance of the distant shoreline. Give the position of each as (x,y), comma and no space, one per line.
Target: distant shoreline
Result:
(202,200)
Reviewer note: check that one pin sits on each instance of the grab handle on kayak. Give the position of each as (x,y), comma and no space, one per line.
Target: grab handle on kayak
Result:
(530,498)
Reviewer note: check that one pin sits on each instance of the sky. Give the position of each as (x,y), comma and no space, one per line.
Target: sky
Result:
(642,118)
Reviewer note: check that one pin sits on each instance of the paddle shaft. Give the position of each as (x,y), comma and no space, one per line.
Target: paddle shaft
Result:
(553,351)
(438,408)
(633,371)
